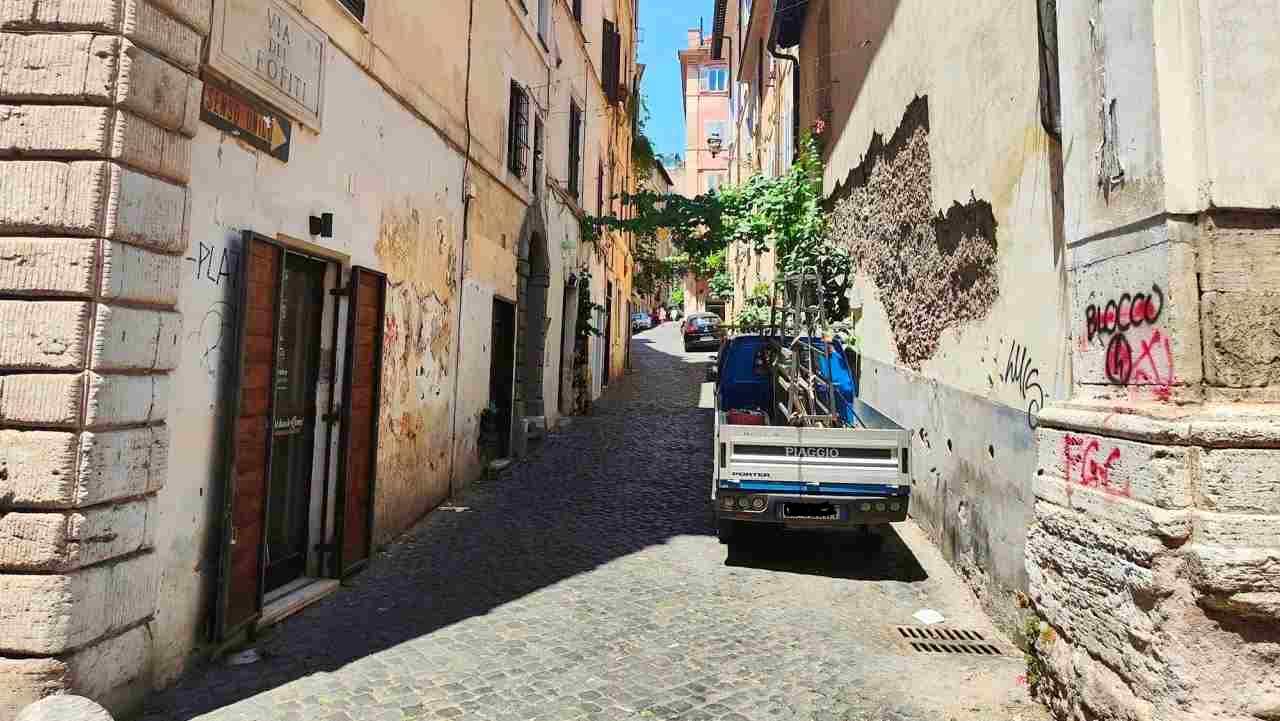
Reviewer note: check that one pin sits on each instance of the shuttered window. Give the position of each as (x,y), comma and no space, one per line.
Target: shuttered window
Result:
(537,153)
(575,150)
(518,131)
(600,189)
(611,62)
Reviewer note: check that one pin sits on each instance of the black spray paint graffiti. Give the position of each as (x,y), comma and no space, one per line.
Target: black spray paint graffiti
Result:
(214,336)
(1018,369)
(228,260)
(1113,320)
(215,332)
(1118,316)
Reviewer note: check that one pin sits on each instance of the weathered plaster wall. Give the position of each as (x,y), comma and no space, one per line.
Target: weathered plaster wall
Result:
(396,212)
(939,182)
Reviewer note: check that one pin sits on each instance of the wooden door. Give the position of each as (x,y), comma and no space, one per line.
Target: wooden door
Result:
(249,436)
(358,450)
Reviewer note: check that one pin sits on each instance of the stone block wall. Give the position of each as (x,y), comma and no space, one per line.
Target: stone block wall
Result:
(1154,554)
(98,102)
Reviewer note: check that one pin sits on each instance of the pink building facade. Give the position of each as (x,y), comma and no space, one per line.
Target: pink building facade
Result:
(706,82)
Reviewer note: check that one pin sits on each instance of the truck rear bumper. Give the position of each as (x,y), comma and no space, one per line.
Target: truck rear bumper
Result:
(804,511)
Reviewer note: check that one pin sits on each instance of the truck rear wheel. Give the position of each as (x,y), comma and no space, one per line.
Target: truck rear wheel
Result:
(726,530)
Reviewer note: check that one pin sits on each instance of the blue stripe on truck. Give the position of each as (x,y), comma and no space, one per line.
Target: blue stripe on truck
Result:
(827,489)
(779,486)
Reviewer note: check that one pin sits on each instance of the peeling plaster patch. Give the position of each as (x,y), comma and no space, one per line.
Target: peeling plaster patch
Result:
(417,251)
(934,271)
(417,247)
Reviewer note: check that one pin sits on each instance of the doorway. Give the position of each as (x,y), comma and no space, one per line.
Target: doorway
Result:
(502,370)
(293,422)
(289,514)
(568,346)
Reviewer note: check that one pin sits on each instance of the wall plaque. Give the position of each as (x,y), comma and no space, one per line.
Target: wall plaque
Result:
(271,49)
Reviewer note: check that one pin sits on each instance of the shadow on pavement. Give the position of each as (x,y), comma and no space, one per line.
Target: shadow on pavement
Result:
(881,556)
(632,475)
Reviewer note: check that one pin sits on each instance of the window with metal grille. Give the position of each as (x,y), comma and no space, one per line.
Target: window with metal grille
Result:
(518,130)
(355,6)
(611,62)
(575,149)
(537,153)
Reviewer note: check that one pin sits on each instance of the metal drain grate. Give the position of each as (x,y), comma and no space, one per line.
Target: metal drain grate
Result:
(940,639)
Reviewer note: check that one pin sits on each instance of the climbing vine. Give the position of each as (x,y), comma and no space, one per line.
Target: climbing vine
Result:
(783,213)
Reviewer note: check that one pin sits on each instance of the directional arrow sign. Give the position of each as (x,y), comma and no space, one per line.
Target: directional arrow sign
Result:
(228,110)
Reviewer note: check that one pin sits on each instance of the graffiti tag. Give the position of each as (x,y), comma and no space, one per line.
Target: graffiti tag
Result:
(1114,322)
(1153,364)
(1130,311)
(1088,466)
(1019,369)
(213,265)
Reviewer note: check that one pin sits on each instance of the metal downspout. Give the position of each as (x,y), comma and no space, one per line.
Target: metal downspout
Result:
(772,46)
(462,254)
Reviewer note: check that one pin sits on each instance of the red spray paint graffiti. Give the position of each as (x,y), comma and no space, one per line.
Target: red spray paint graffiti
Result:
(1114,323)
(1087,466)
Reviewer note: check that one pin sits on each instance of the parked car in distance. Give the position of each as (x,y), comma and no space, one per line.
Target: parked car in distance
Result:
(640,321)
(702,330)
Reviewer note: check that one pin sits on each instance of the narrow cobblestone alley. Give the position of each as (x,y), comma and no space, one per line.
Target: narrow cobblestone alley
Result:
(586,582)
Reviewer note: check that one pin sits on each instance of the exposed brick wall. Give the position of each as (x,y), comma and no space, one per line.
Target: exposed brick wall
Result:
(98,104)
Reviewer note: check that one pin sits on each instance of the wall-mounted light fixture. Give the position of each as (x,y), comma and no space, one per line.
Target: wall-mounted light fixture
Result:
(322,225)
(715,144)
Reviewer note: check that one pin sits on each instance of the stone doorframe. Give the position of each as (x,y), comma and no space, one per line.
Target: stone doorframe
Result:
(533,282)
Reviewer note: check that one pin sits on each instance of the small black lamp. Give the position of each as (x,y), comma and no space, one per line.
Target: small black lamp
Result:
(322,225)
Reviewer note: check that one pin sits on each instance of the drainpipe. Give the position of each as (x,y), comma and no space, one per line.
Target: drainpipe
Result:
(462,254)
(795,81)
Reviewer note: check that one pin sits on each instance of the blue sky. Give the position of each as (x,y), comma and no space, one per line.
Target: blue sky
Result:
(663,24)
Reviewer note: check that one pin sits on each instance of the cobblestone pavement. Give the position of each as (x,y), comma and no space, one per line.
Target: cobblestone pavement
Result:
(586,582)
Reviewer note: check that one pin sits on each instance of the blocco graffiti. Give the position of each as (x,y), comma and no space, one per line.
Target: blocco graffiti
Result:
(1088,466)
(1153,364)
(1114,323)
(1128,311)
(1020,370)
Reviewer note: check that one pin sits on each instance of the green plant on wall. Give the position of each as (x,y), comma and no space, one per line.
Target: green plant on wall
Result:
(755,313)
(782,213)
